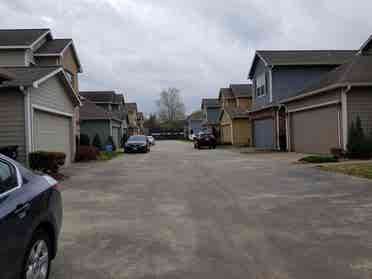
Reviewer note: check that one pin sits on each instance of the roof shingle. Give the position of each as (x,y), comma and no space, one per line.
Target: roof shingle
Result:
(100,96)
(237,113)
(241,90)
(210,103)
(26,76)
(20,37)
(131,106)
(55,46)
(90,111)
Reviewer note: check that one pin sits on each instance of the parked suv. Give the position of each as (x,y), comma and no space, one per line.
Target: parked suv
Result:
(205,140)
(30,221)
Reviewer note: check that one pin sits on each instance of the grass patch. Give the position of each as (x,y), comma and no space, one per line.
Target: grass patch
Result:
(319,159)
(360,170)
(106,156)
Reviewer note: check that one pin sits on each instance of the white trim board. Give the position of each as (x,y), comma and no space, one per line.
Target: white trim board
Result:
(53,111)
(335,102)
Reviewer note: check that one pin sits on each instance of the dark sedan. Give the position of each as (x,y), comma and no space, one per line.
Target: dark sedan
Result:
(137,144)
(30,221)
(205,140)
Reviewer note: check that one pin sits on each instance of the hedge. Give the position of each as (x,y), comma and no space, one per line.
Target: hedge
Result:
(46,161)
(87,153)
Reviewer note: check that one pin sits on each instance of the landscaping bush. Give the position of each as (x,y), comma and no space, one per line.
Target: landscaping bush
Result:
(48,162)
(359,145)
(97,142)
(84,140)
(338,153)
(87,153)
(110,141)
(319,159)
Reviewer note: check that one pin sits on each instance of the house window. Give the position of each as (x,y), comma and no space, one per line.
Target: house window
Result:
(261,85)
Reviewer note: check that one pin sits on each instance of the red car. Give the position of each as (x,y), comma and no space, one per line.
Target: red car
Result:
(205,140)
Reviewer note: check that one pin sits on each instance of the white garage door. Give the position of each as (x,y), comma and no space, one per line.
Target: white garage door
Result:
(315,131)
(52,133)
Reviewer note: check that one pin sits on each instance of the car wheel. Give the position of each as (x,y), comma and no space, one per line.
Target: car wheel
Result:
(36,263)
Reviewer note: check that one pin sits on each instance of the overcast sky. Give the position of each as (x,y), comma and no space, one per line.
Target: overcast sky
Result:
(139,47)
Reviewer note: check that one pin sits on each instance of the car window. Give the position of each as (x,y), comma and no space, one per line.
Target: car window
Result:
(137,138)
(8,177)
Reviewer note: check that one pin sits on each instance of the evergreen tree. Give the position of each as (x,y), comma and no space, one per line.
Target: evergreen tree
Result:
(97,142)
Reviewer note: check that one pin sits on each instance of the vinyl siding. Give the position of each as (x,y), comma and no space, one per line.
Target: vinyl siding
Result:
(93,127)
(12,121)
(12,57)
(262,100)
(244,103)
(69,63)
(289,81)
(359,103)
(52,94)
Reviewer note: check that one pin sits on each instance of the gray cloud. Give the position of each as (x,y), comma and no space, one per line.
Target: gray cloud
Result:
(140,46)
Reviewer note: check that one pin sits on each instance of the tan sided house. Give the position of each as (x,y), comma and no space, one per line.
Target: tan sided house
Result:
(39,99)
(234,118)
(319,118)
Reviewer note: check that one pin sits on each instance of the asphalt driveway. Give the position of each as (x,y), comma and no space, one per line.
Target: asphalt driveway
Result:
(183,213)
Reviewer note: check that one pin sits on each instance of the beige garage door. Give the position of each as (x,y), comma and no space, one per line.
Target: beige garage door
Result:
(315,131)
(52,133)
(226,134)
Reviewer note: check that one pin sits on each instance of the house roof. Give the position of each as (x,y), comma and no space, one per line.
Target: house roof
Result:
(226,93)
(237,113)
(358,72)
(5,75)
(131,106)
(21,38)
(367,46)
(196,115)
(302,58)
(210,103)
(55,46)
(34,76)
(90,111)
(241,90)
(109,97)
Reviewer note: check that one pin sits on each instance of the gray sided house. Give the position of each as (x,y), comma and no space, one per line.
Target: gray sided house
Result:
(319,117)
(95,120)
(194,123)
(210,112)
(278,75)
(37,107)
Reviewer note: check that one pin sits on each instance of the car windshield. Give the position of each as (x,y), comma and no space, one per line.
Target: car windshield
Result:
(137,138)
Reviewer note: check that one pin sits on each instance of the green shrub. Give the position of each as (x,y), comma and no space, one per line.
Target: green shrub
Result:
(97,142)
(319,159)
(359,146)
(87,153)
(110,141)
(84,140)
(48,162)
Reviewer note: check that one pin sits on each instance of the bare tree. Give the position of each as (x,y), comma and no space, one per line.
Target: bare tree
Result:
(170,105)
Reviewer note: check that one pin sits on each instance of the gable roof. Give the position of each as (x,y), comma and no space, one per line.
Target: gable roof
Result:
(226,93)
(109,97)
(53,47)
(301,58)
(131,106)
(235,113)
(210,103)
(34,76)
(367,46)
(21,38)
(195,116)
(90,111)
(241,90)
(358,72)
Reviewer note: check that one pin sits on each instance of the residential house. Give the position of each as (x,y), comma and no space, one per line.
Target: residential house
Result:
(140,122)
(194,123)
(319,117)
(133,128)
(278,75)
(235,124)
(114,104)
(40,66)
(95,120)
(210,112)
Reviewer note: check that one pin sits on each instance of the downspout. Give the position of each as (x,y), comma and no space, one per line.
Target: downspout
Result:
(28,122)
(344,110)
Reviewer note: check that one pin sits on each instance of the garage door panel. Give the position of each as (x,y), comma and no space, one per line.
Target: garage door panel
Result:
(52,133)
(315,131)
(263,133)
